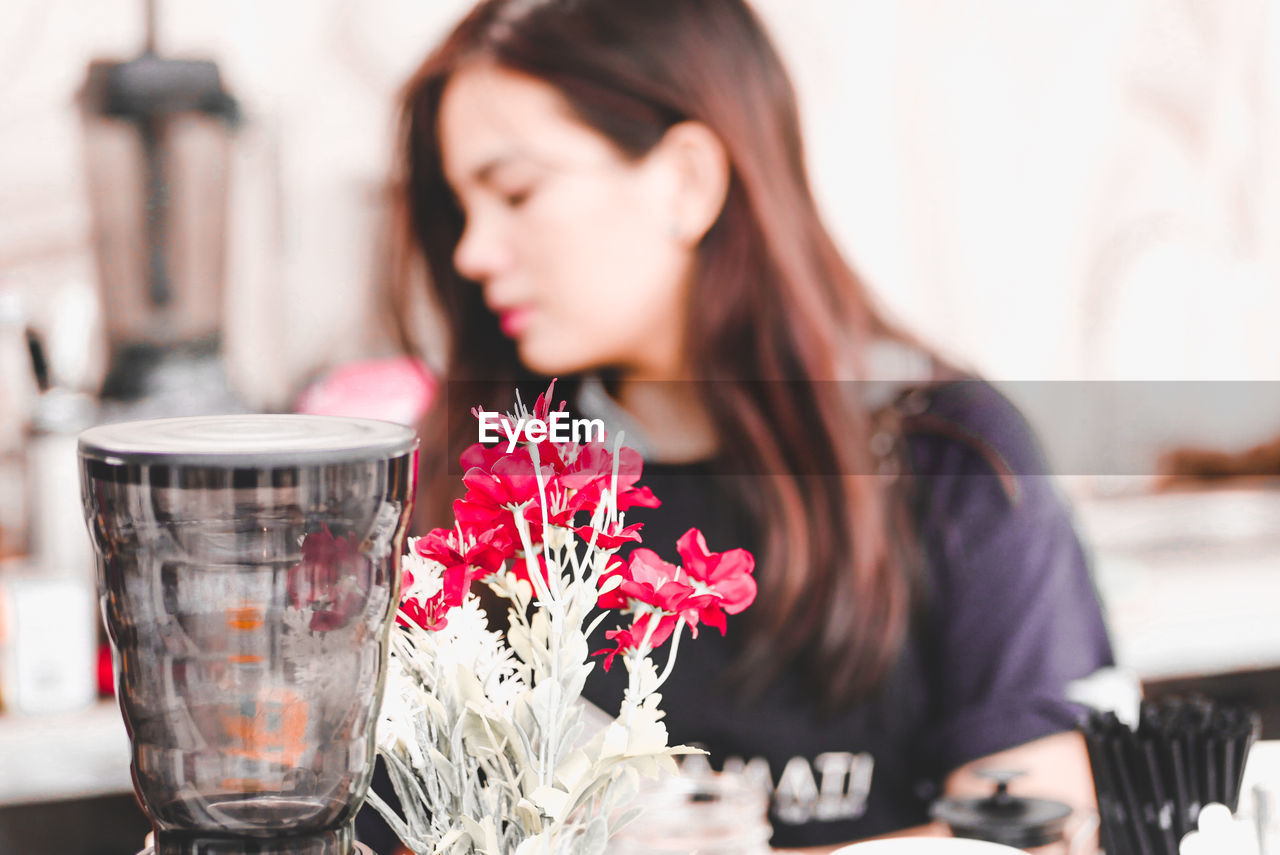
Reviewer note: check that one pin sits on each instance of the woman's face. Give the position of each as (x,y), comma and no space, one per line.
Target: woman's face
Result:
(572,243)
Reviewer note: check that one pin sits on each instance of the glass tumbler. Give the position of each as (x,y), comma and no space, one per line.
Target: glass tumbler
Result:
(698,814)
(248,575)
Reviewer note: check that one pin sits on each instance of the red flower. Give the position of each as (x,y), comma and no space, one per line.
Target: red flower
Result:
(591,473)
(574,478)
(455,582)
(511,480)
(653,581)
(657,586)
(592,460)
(462,558)
(728,574)
(630,639)
(492,493)
(428,614)
(486,553)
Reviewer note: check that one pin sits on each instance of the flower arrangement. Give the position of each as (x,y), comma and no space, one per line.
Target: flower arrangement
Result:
(483,731)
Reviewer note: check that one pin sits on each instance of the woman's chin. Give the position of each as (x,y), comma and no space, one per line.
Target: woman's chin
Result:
(550,361)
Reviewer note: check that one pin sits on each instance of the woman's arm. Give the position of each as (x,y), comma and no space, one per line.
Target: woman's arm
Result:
(1055,767)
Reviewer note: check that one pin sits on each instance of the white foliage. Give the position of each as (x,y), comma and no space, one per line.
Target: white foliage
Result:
(483,733)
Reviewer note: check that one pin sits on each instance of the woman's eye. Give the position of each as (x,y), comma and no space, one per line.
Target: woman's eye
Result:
(517,198)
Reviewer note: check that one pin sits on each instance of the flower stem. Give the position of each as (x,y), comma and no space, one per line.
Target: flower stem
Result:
(671,654)
(635,660)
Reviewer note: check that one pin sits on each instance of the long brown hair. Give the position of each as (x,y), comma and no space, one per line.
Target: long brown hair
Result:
(773,298)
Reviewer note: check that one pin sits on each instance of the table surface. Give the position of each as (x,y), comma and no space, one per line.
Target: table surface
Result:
(64,756)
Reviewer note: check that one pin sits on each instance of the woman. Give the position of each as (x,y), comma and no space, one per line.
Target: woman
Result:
(614,193)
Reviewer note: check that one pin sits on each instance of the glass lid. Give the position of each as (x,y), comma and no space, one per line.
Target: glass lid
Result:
(241,441)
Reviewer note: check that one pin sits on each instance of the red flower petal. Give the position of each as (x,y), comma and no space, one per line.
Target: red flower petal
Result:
(481,457)
(630,534)
(639,497)
(542,406)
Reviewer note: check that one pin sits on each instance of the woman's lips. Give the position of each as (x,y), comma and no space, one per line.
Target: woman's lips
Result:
(512,322)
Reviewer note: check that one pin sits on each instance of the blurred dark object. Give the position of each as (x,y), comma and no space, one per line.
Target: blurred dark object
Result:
(106,677)
(117,826)
(1258,690)
(39,363)
(1152,782)
(158,142)
(18,390)
(150,87)
(371,829)
(1194,467)
(1023,823)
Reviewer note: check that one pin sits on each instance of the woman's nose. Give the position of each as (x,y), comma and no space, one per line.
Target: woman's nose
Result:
(479,255)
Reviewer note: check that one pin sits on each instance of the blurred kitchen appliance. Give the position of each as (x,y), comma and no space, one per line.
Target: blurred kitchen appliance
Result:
(158,136)
(248,573)
(17,395)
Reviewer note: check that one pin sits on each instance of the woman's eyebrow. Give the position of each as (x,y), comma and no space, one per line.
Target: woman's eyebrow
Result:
(478,174)
(485,171)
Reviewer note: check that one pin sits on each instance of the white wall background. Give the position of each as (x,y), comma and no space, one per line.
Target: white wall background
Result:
(1051,189)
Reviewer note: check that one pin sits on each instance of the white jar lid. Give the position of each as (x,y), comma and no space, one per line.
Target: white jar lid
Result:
(246,441)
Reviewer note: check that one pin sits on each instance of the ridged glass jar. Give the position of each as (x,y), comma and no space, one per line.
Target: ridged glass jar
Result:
(248,574)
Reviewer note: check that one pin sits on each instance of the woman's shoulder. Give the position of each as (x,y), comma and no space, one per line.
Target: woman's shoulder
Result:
(965,426)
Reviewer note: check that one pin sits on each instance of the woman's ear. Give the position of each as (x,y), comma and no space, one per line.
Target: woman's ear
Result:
(697,166)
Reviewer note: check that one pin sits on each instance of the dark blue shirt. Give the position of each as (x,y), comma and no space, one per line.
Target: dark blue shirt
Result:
(1011,618)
